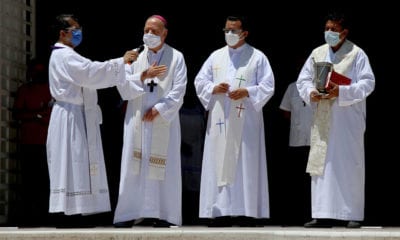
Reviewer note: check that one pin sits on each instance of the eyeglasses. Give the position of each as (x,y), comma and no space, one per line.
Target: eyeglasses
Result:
(73,29)
(234,31)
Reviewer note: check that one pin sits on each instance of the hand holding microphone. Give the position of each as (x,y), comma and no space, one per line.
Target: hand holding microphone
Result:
(132,55)
(138,50)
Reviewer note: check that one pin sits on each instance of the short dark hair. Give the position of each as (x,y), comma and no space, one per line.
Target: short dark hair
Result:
(61,23)
(338,17)
(242,19)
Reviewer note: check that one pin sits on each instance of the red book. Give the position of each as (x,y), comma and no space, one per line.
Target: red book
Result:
(338,79)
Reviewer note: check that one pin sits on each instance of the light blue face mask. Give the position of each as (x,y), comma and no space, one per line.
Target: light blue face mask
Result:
(151,40)
(76,37)
(231,38)
(332,38)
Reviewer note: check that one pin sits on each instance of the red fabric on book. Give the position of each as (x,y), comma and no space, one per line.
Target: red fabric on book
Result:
(338,79)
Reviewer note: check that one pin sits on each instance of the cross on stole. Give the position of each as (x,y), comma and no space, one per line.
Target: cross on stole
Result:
(152,84)
(240,80)
(240,108)
(220,125)
(216,69)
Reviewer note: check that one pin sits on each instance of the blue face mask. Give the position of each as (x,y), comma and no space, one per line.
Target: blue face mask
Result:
(76,37)
(332,38)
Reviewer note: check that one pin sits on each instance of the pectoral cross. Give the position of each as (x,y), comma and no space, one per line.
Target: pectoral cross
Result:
(152,84)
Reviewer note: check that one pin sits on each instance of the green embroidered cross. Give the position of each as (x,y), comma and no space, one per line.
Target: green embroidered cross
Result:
(240,80)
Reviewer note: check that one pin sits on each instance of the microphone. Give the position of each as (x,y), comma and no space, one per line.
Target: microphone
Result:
(139,50)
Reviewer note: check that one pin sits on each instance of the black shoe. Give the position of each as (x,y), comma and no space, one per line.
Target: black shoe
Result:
(148,222)
(353,224)
(162,224)
(127,224)
(243,221)
(225,221)
(318,223)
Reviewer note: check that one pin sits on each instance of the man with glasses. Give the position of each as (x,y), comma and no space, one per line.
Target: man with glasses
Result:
(336,158)
(234,84)
(78,181)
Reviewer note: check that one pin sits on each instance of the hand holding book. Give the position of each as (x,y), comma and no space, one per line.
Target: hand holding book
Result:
(335,78)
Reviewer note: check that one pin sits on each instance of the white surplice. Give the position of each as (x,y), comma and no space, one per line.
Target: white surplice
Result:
(78,181)
(339,192)
(140,195)
(248,194)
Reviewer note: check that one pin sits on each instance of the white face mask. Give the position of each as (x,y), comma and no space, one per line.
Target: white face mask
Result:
(151,40)
(332,38)
(231,39)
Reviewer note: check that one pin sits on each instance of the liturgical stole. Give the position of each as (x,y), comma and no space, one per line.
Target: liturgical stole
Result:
(226,127)
(342,62)
(93,118)
(160,127)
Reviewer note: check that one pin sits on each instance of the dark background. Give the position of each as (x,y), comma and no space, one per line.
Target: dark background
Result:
(285,32)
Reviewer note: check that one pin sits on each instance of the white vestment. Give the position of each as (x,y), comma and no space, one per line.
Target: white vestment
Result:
(78,181)
(339,192)
(300,116)
(141,195)
(247,195)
